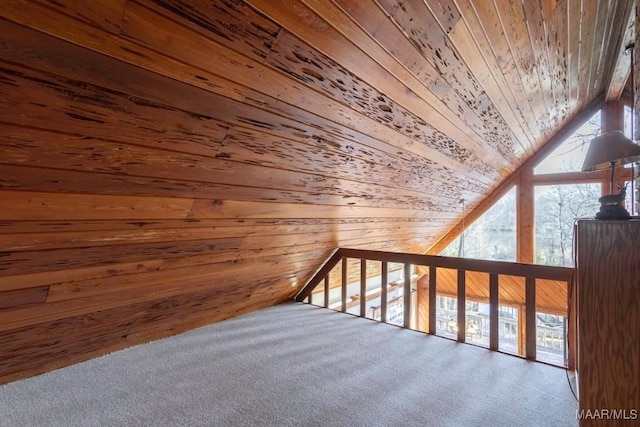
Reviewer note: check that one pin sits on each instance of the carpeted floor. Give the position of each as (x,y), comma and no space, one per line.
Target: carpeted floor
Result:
(295,365)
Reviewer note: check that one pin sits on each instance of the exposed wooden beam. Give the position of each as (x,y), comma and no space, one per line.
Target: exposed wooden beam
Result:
(622,68)
(525,202)
(570,178)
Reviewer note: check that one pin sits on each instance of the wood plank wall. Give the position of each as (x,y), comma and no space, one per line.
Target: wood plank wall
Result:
(170,163)
(144,195)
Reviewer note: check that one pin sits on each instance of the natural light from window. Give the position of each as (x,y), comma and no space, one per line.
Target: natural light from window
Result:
(570,155)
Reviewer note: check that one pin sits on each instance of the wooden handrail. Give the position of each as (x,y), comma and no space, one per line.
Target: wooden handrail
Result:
(562,274)
(320,275)
(529,272)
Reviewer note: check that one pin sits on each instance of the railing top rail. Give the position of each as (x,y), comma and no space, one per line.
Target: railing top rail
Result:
(548,272)
(563,274)
(468,264)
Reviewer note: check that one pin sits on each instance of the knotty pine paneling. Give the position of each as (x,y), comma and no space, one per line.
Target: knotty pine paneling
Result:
(165,164)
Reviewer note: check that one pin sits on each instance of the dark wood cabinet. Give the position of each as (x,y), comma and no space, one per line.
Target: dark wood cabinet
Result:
(608,303)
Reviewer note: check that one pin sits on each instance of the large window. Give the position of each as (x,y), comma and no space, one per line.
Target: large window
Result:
(492,236)
(556,209)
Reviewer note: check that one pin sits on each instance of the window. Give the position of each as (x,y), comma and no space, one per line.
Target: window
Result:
(492,236)
(569,156)
(556,209)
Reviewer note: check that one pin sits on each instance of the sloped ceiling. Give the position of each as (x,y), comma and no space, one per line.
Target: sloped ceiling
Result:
(167,163)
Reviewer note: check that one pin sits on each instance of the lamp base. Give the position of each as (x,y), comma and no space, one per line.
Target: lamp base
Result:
(612,206)
(612,211)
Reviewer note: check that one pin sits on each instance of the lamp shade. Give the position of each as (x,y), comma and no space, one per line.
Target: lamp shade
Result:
(610,147)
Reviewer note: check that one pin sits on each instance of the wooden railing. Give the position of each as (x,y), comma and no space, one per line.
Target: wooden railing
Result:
(494,269)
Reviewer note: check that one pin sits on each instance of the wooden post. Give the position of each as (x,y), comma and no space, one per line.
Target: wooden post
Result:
(422,303)
(522,330)
(326,291)
(432,299)
(363,287)
(407,296)
(343,290)
(383,292)
(530,316)
(462,306)
(572,343)
(494,305)
(525,216)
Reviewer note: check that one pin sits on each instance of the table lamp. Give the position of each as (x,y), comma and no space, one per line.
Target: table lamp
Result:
(609,150)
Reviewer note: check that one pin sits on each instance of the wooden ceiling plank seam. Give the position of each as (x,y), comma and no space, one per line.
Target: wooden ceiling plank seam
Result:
(26,227)
(312,69)
(272,80)
(58,181)
(442,77)
(39,242)
(116,158)
(516,33)
(137,233)
(239,209)
(574,16)
(475,46)
(410,79)
(25,263)
(114,283)
(324,38)
(489,19)
(64,182)
(50,25)
(460,36)
(550,79)
(588,32)
(37,206)
(21,317)
(485,42)
(247,72)
(418,174)
(397,173)
(337,114)
(120,269)
(557,32)
(57,240)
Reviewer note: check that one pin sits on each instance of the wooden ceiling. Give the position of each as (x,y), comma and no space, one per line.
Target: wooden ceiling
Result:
(168,163)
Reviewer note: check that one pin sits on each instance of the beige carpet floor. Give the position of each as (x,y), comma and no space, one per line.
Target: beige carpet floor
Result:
(295,365)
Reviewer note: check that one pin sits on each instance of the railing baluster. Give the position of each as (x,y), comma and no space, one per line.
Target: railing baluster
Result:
(363,287)
(343,291)
(530,310)
(493,311)
(326,291)
(383,294)
(462,306)
(527,344)
(432,299)
(407,296)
